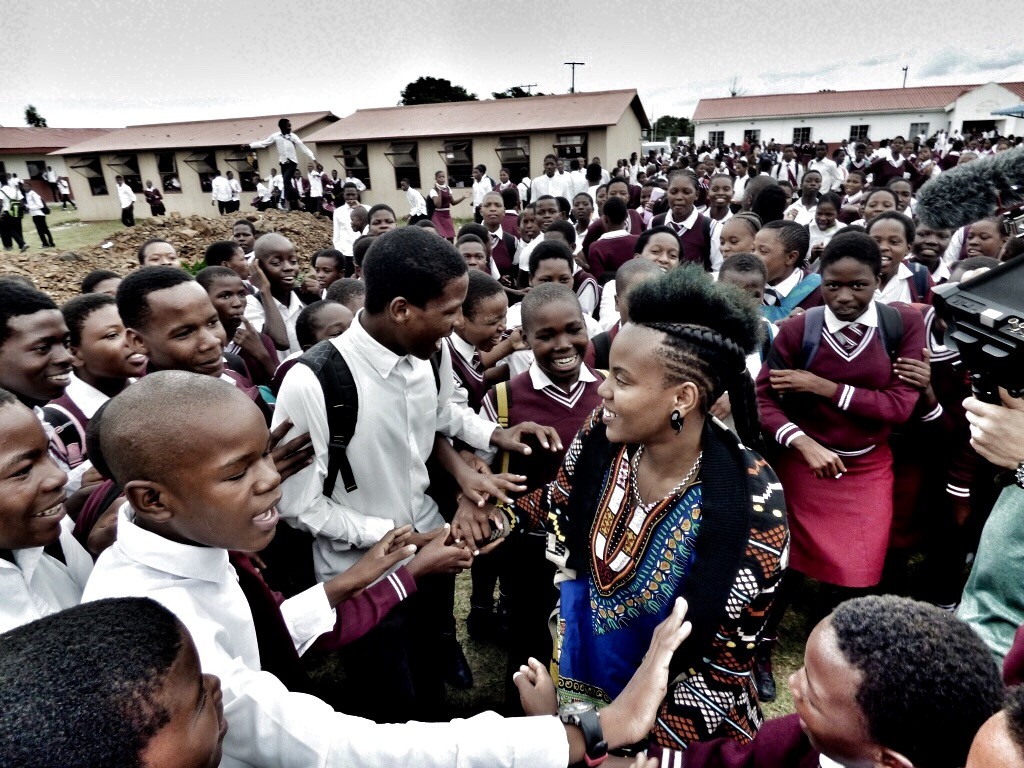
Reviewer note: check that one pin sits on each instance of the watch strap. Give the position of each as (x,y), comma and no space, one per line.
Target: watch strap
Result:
(589,722)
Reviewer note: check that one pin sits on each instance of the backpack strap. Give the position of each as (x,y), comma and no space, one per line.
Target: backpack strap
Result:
(890,329)
(918,281)
(814,324)
(341,399)
(68,438)
(602,348)
(503,401)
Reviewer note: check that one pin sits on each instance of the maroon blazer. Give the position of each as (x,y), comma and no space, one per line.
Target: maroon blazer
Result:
(780,743)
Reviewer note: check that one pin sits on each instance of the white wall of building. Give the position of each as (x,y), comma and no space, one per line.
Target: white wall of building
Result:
(980,103)
(829,128)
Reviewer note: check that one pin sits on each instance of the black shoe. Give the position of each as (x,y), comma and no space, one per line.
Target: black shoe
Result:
(765,681)
(482,624)
(457,673)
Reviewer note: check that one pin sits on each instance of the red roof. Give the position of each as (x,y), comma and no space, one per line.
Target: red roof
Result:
(229,132)
(462,118)
(17,141)
(928,98)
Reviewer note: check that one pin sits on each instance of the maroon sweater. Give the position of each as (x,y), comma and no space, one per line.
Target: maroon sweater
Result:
(780,743)
(608,254)
(869,400)
(634,225)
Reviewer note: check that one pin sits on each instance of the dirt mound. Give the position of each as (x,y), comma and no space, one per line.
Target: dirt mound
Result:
(60,273)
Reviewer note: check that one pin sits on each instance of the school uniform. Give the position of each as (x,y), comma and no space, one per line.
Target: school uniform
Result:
(521,360)
(885,169)
(510,223)
(556,186)
(695,234)
(417,205)
(78,405)
(822,236)
(609,252)
(126,197)
(37,582)
(290,314)
(830,543)
(269,725)
(904,288)
(800,289)
(155,201)
(468,370)
(634,226)
(344,236)
(800,213)
(790,171)
(780,743)
(442,216)
(586,288)
(256,371)
(35,205)
(221,194)
(830,174)
(503,250)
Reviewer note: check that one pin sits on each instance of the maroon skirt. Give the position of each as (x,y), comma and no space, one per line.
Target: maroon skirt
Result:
(839,528)
(443,222)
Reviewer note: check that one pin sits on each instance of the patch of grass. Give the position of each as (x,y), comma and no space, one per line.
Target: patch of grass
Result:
(69,231)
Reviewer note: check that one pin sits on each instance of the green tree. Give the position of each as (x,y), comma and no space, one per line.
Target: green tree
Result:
(667,125)
(33,118)
(433,90)
(515,92)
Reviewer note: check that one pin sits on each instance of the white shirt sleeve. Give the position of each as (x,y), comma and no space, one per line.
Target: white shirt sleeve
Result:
(301,400)
(609,314)
(457,420)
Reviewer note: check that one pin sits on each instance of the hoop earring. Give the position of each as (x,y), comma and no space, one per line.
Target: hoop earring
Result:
(676,421)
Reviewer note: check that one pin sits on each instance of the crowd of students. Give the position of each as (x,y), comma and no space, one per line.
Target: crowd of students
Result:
(645,415)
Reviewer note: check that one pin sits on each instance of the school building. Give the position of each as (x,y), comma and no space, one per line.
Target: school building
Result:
(180,160)
(383,146)
(26,152)
(832,116)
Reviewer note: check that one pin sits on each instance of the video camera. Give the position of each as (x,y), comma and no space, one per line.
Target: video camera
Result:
(985,324)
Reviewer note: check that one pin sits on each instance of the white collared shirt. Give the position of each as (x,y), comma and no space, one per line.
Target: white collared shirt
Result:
(269,725)
(285,146)
(868,317)
(34,203)
(557,186)
(800,213)
(290,314)
(236,189)
(417,203)
(521,360)
(126,195)
(85,396)
(481,188)
(787,285)
(830,176)
(316,186)
(898,288)
(354,180)
(400,411)
(36,584)
(686,224)
(220,189)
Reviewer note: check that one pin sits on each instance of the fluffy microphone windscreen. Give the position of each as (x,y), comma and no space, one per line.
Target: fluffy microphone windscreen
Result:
(973,191)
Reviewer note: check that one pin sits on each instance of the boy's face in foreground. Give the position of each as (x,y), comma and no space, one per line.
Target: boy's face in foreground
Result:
(223,495)
(183,332)
(31,484)
(35,362)
(420,329)
(194,732)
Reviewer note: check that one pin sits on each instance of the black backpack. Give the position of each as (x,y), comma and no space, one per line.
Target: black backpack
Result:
(890,331)
(341,398)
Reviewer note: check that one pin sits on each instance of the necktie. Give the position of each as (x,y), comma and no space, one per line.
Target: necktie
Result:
(850,336)
(476,363)
(494,240)
(792,174)
(771,296)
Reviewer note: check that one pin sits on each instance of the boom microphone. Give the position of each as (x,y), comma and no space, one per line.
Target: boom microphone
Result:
(974,191)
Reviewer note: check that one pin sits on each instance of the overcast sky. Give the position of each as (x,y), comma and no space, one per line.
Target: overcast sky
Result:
(109,63)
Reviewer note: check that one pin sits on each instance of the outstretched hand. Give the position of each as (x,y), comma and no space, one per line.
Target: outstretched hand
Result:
(440,555)
(475,527)
(292,457)
(480,485)
(536,689)
(512,439)
(378,560)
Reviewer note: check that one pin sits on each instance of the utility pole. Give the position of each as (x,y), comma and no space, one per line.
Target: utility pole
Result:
(905,76)
(528,88)
(574,64)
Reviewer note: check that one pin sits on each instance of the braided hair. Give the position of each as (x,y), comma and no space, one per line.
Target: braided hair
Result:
(709,329)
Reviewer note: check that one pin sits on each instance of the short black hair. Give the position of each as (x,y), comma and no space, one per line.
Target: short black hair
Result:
(247,223)
(881,190)
(469,237)
(771,203)
(859,246)
(618,180)
(410,263)
(472,228)
(481,286)
(330,253)
(97,276)
(99,705)
(615,210)
(17,299)
(362,245)
(647,234)
(219,252)
(305,331)
(544,198)
(857,171)
(1015,717)
(794,237)
(627,274)
(207,275)
(346,289)
(549,249)
(831,198)
(509,198)
(77,310)
(680,173)
(547,293)
(426,224)
(972,263)
(133,292)
(141,253)
(744,263)
(564,206)
(381,207)
(565,229)
(904,221)
(923,672)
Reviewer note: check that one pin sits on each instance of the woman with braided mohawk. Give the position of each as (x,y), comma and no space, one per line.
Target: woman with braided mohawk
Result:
(656,500)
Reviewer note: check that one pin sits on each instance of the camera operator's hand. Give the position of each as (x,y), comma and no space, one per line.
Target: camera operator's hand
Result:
(997,431)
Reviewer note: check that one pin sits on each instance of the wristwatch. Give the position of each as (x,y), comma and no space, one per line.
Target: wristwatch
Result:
(583,715)
(1018,477)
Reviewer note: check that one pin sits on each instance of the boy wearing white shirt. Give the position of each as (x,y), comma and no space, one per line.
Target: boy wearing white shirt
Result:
(550,182)
(220,193)
(126,196)
(37,209)
(482,184)
(285,141)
